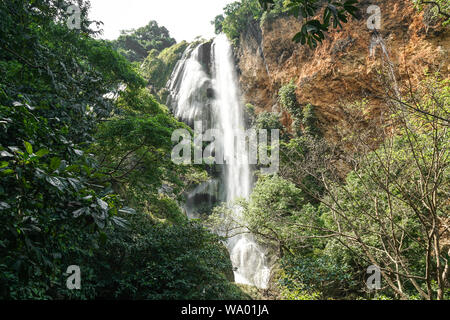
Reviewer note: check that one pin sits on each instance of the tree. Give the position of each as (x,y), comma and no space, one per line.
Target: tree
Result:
(393,210)
(82,140)
(238,16)
(136,44)
(217,23)
(155,261)
(53,91)
(313,30)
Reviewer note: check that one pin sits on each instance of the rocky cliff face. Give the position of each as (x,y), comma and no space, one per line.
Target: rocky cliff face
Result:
(340,70)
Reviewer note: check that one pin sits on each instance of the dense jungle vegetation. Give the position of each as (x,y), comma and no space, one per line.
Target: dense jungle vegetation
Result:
(85,145)
(82,142)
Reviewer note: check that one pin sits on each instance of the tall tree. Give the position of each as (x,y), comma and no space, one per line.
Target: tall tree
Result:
(135,44)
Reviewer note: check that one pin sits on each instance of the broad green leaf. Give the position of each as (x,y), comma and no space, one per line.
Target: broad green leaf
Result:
(75,183)
(87,197)
(6,154)
(103,237)
(78,212)
(78,152)
(28,147)
(127,210)
(120,221)
(54,163)
(4,205)
(102,204)
(54,181)
(42,152)
(7,171)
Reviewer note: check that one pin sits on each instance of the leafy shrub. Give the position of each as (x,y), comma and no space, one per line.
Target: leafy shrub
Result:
(316,275)
(238,15)
(159,261)
(310,121)
(288,100)
(135,45)
(158,66)
(218,23)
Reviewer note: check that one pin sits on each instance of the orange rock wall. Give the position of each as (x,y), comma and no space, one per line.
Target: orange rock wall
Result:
(340,70)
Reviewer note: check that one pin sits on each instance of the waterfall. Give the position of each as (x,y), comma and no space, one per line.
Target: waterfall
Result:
(204,87)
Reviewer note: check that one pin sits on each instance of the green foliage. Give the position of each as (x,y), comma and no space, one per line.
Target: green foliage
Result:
(265,121)
(301,162)
(316,276)
(161,262)
(289,102)
(51,96)
(310,121)
(271,121)
(135,45)
(438,9)
(277,9)
(81,142)
(268,120)
(158,66)
(302,116)
(313,30)
(238,16)
(134,149)
(310,267)
(250,115)
(394,207)
(288,99)
(327,230)
(274,207)
(217,23)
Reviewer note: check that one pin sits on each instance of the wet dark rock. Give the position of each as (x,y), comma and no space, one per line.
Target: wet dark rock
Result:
(205,56)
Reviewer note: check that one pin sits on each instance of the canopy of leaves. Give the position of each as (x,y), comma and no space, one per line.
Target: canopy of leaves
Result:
(158,67)
(80,142)
(239,15)
(136,44)
(217,23)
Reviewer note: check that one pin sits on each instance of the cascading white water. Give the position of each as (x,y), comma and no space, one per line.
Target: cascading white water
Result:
(214,98)
(188,78)
(246,255)
(230,119)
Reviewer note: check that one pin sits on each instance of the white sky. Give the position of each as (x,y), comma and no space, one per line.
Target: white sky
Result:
(185,19)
